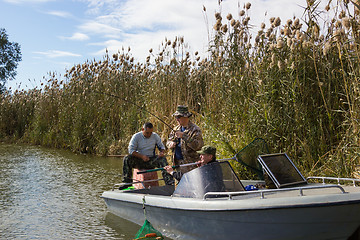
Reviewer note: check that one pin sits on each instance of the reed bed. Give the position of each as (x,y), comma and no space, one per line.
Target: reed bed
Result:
(295,84)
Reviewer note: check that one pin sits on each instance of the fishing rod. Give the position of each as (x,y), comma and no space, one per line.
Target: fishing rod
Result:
(115,174)
(142,108)
(159,169)
(182,165)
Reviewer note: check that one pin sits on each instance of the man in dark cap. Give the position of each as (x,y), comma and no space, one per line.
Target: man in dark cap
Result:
(185,139)
(207,155)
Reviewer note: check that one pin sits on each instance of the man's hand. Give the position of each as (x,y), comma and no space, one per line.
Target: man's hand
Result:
(172,145)
(141,156)
(145,158)
(162,153)
(179,134)
(169,169)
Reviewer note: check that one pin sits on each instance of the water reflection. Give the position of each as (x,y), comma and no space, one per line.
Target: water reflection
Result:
(53,194)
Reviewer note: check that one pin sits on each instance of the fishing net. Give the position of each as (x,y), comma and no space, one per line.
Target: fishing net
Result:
(148,232)
(249,154)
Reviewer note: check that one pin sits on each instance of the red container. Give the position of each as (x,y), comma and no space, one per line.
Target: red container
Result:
(144,177)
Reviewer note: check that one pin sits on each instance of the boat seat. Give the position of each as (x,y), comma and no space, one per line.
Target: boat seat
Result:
(144,177)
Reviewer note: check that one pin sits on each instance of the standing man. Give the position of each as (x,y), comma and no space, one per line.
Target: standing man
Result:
(142,153)
(185,139)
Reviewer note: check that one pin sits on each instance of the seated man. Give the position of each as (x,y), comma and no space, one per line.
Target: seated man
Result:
(142,154)
(207,155)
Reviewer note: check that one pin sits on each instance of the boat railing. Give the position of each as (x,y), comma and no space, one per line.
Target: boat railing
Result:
(262,193)
(353,180)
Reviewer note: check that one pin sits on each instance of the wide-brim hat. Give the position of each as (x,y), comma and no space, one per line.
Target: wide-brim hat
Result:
(182,111)
(207,149)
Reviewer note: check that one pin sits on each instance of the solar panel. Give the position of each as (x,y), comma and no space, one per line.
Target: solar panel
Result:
(281,170)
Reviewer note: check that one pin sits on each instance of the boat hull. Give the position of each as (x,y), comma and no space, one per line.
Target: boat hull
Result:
(254,218)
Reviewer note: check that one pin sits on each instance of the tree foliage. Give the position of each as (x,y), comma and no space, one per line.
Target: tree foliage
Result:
(10,55)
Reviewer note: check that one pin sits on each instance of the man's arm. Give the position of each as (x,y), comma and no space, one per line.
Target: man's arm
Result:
(159,145)
(141,156)
(172,140)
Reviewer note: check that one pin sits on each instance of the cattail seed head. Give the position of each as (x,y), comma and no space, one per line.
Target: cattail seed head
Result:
(248,5)
(293,46)
(338,24)
(281,65)
(272,37)
(229,16)
(289,41)
(218,16)
(342,14)
(246,21)
(289,22)
(245,38)
(242,13)
(218,25)
(273,58)
(277,22)
(316,31)
(287,31)
(346,23)
(224,28)
(296,23)
(279,43)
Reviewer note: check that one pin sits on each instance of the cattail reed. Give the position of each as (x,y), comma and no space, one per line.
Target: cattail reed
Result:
(295,87)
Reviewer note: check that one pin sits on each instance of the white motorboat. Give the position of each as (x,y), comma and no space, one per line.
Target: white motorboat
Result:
(210,202)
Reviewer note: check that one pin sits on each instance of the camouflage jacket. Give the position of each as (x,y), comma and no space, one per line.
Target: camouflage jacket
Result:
(191,142)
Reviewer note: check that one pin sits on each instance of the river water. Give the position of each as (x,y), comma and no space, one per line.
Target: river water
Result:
(55,194)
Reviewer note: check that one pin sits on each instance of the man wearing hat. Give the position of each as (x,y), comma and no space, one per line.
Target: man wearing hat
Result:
(207,155)
(185,140)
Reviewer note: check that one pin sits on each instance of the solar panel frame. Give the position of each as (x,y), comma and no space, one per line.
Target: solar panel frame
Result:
(281,170)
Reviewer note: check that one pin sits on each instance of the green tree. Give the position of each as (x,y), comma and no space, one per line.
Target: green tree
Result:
(10,55)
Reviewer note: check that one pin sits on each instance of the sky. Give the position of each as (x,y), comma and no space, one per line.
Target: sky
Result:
(55,35)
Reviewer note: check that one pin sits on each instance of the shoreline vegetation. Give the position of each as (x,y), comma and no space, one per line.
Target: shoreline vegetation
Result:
(295,84)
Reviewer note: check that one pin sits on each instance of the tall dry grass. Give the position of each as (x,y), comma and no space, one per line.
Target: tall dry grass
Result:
(295,84)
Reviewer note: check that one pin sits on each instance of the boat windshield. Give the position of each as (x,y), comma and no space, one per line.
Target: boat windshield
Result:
(212,177)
